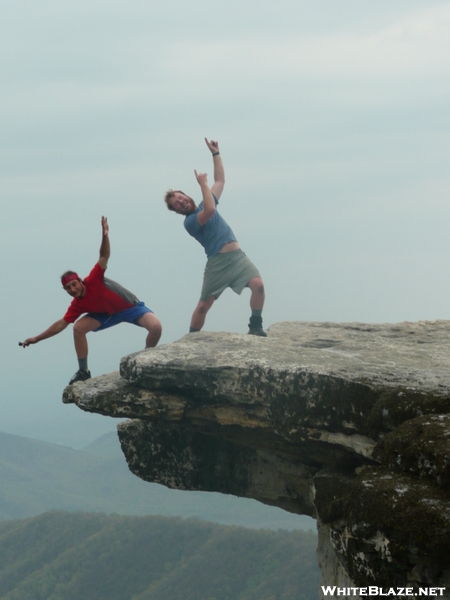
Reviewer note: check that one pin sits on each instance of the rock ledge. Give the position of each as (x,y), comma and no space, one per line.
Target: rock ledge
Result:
(348,423)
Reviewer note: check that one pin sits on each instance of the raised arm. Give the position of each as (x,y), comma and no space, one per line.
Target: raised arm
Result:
(209,206)
(105,249)
(50,332)
(219,173)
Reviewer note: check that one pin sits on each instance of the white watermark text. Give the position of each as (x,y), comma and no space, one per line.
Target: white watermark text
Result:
(373,590)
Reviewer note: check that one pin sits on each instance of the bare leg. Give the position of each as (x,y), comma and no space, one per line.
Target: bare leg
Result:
(153,326)
(199,316)
(80,329)
(258,296)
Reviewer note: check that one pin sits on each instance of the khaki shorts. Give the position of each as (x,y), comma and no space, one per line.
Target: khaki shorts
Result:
(227,269)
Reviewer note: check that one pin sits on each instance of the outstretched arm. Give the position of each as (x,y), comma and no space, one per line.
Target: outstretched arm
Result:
(219,173)
(105,249)
(209,206)
(50,332)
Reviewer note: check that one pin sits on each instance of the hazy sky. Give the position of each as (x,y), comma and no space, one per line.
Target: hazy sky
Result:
(333,124)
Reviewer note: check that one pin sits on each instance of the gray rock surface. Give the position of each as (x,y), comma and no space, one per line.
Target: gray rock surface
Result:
(345,422)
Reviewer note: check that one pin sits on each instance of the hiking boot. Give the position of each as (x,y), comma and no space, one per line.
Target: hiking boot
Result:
(80,375)
(255,327)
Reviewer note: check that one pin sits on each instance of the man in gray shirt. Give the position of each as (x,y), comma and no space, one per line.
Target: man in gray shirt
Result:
(227,265)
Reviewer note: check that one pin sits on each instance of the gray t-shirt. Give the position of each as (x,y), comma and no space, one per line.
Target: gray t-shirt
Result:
(213,234)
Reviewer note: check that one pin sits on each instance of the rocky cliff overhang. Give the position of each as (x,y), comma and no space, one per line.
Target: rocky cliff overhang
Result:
(348,423)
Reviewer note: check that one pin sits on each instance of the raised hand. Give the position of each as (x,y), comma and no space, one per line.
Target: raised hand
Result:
(202,178)
(105,226)
(212,145)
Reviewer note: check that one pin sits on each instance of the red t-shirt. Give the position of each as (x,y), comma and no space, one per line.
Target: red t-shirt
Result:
(98,298)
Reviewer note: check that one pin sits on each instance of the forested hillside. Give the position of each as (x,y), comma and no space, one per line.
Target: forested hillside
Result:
(89,556)
(37,477)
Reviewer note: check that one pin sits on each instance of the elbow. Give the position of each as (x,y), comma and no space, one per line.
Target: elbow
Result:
(205,215)
(210,212)
(62,325)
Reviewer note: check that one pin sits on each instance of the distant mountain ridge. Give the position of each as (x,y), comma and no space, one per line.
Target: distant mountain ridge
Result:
(80,556)
(37,477)
(106,445)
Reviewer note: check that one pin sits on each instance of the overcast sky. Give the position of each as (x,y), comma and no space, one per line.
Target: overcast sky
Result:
(333,124)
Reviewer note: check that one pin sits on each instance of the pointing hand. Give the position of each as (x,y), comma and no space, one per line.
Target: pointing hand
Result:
(202,178)
(213,146)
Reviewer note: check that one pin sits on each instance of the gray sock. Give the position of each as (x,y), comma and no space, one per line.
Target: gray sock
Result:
(82,364)
(192,329)
(256,313)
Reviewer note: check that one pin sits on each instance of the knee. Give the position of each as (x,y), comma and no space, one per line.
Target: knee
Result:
(257,285)
(78,330)
(203,308)
(152,324)
(156,327)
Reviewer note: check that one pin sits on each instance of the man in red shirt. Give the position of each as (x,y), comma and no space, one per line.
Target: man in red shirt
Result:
(106,302)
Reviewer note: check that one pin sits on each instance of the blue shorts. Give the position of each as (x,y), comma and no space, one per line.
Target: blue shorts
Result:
(130,315)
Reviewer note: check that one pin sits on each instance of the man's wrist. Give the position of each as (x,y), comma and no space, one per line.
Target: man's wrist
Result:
(215,153)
